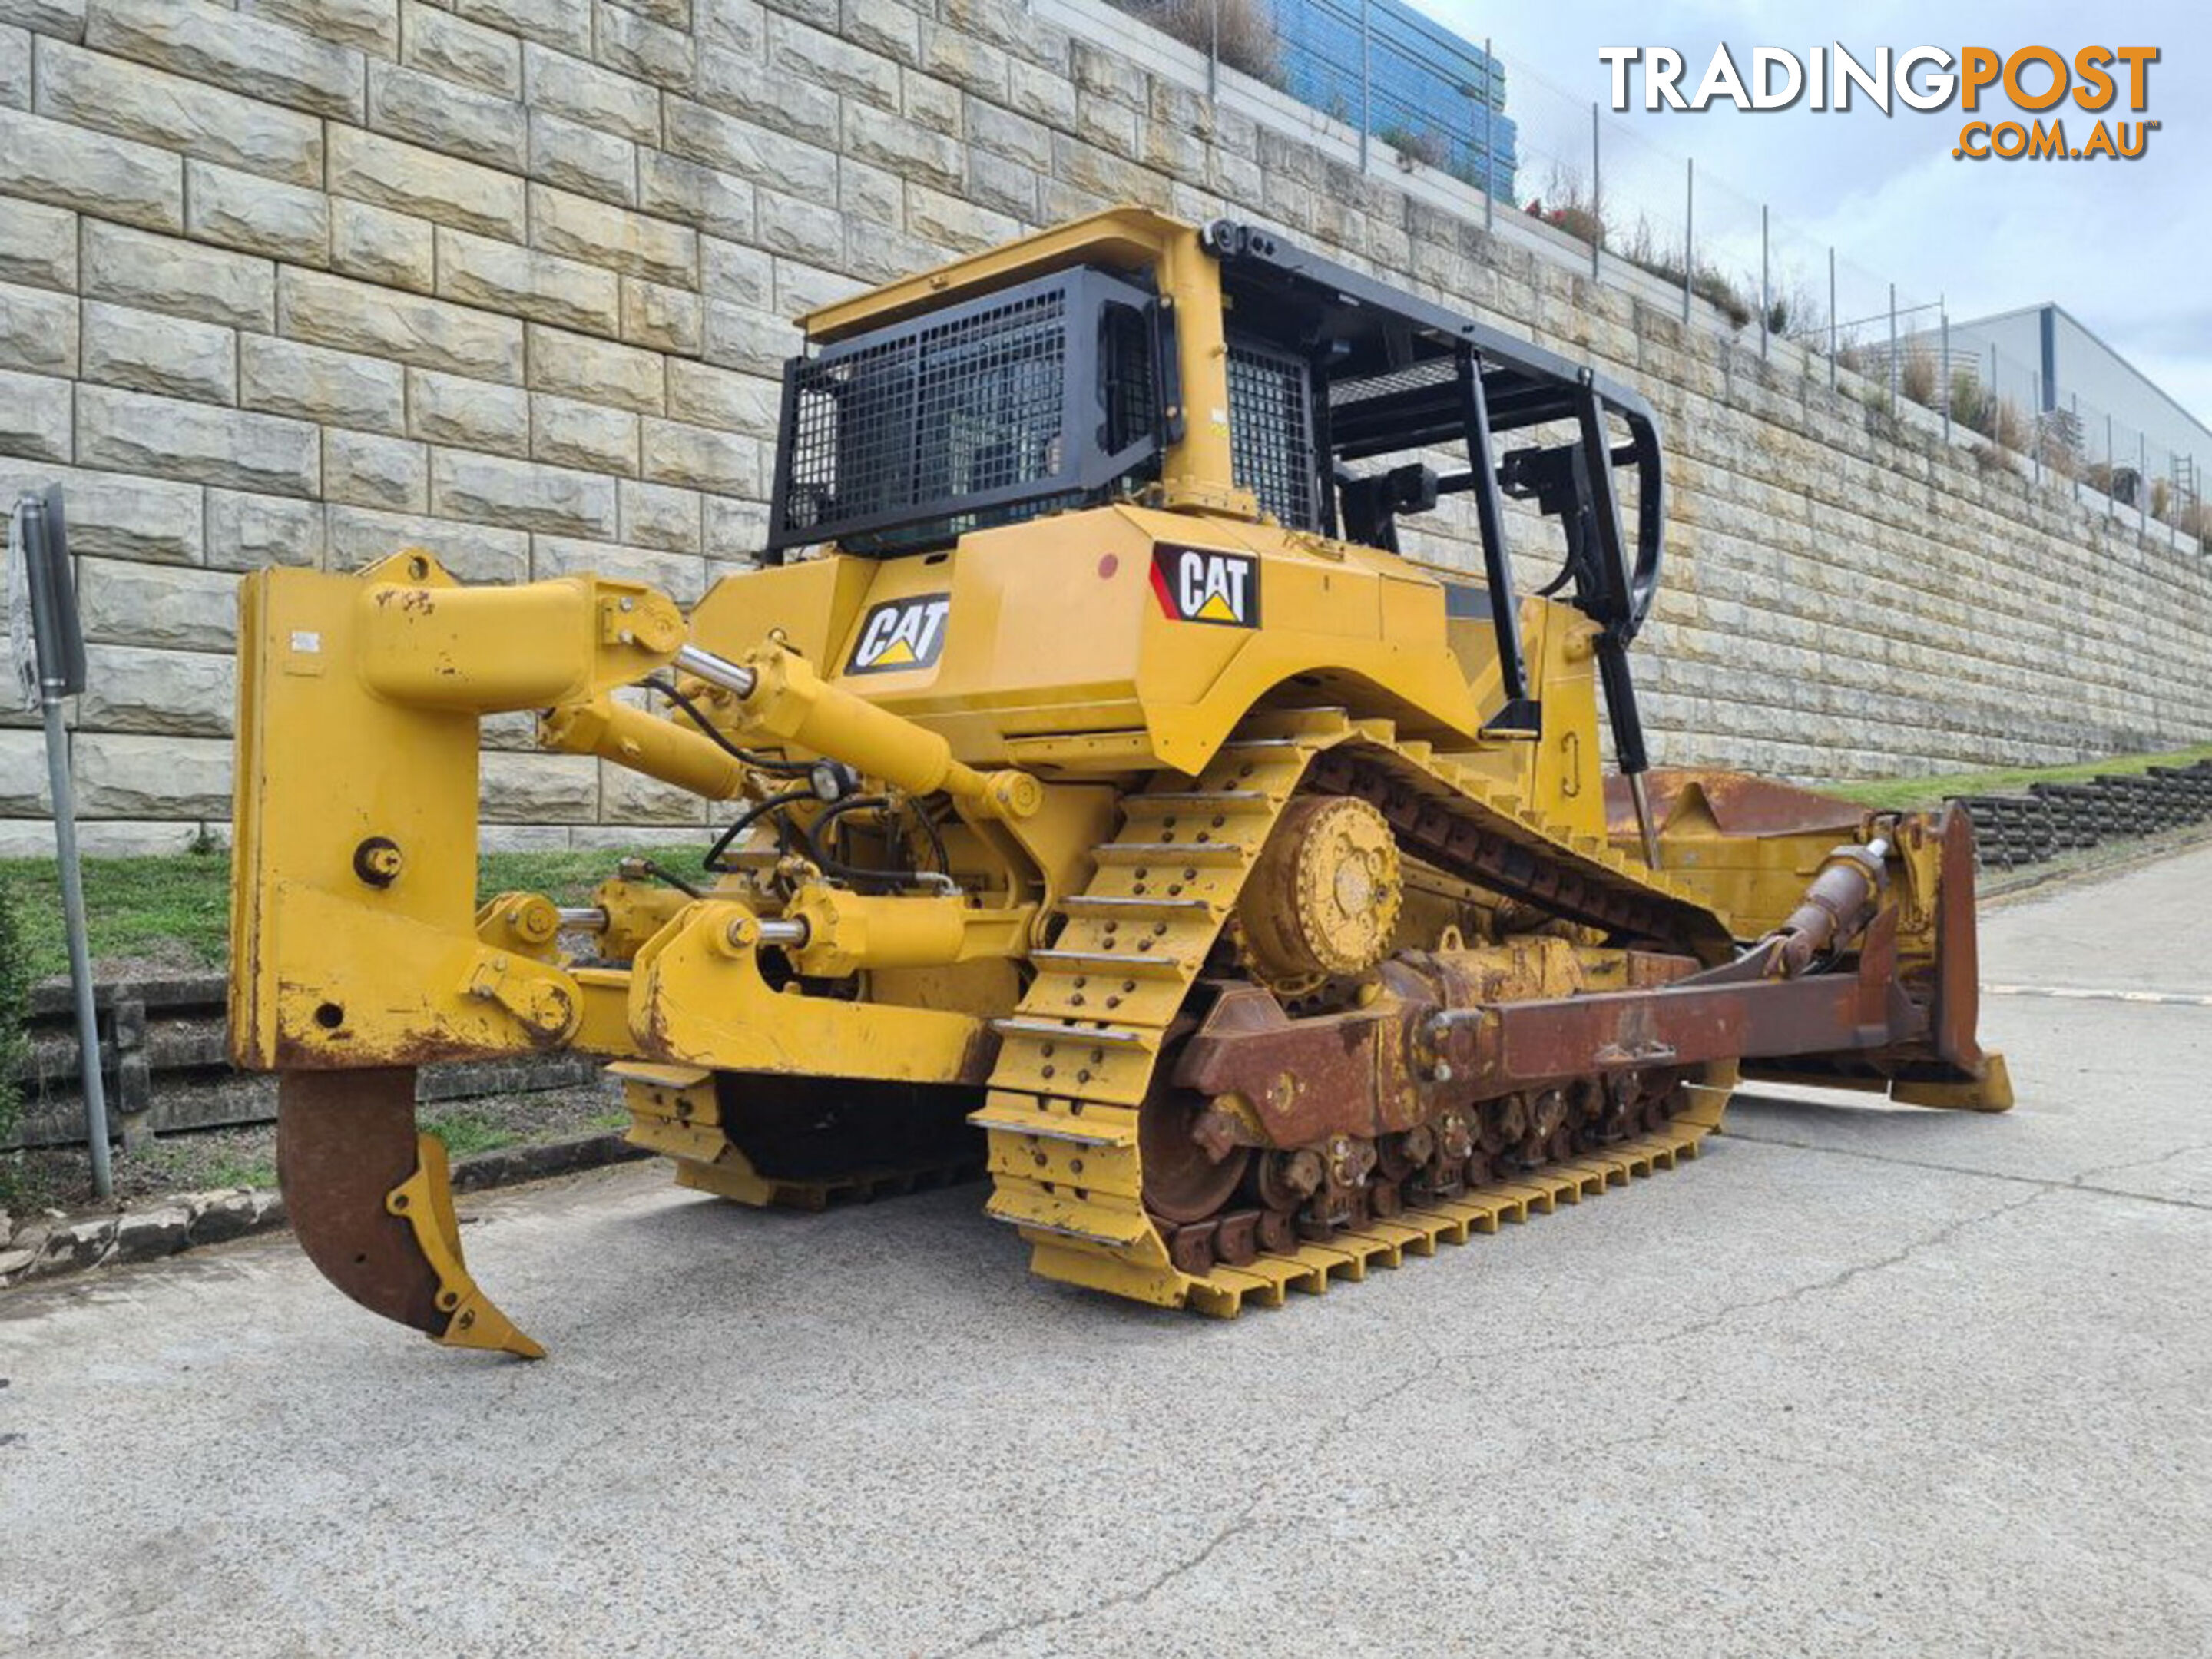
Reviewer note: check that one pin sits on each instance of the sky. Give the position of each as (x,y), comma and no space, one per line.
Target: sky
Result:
(2126,247)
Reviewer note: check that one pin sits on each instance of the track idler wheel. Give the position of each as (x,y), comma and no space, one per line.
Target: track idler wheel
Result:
(370,1203)
(1184,1181)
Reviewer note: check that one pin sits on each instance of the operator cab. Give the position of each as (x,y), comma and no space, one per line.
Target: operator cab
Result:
(1051,377)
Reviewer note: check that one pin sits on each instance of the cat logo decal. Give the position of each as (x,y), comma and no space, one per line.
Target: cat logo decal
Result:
(1203,584)
(901,634)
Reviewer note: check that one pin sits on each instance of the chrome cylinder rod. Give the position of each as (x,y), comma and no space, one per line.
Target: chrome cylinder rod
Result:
(716,671)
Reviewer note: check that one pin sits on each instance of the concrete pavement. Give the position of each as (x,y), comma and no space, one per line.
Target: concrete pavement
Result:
(1862,1380)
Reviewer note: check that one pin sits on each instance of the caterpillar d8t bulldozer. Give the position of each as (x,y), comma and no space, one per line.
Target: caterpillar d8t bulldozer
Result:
(1101,801)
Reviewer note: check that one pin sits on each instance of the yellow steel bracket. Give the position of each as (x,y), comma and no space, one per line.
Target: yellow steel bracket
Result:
(525,922)
(542,998)
(425,1202)
(696,997)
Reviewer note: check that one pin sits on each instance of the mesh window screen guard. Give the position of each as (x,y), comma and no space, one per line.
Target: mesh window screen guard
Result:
(980,413)
(1271,431)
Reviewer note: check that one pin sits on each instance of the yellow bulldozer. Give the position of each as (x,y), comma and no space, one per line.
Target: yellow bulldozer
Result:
(1108,805)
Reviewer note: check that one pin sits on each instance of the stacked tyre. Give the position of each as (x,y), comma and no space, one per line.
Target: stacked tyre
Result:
(2011,830)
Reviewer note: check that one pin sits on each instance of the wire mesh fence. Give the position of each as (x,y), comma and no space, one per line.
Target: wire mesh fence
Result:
(1416,96)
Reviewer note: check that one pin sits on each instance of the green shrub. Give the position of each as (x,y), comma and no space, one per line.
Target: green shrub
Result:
(15,1012)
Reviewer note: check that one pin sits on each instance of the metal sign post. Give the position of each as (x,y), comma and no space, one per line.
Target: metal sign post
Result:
(41,542)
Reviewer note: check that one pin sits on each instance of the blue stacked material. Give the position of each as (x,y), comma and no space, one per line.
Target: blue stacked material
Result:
(1430,92)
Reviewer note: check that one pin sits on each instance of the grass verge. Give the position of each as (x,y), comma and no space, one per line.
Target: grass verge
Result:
(1902,794)
(174,910)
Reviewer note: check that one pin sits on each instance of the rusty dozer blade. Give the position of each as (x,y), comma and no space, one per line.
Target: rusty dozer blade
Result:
(370,1203)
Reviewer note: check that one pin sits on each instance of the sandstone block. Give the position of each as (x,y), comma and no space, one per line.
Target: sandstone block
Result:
(715,201)
(78,1244)
(522,495)
(669,14)
(661,318)
(822,58)
(564,24)
(1018,137)
(963,60)
(524,282)
(875,255)
(1102,72)
(148,352)
(602,98)
(38,329)
(736,85)
(627,797)
(751,151)
(226,48)
(364,470)
(241,211)
(706,396)
(35,417)
(14,67)
(599,371)
(407,178)
(475,552)
(177,112)
(527,837)
(146,605)
(644,51)
(459,120)
(885,28)
(314,383)
(701,457)
(449,408)
(159,273)
(932,104)
(870,194)
(897,145)
(1002,22)
(735,532)
(247,532)
(681,576)
(653,515)
(38,245)
(381,246)
(111,515)
(122,774)
(583,158)
(995,182)
(442,44)
(954,223)
(131,432)
(352,316)
(744,338)
(25,791)
(69,167)
(737,275)
(184,693)
(739,25)
(801,287)
(566,433)
(803,228)
(373,25)
(635,244)
(1115,127)
(1045,94)
(126,775)
(540,788)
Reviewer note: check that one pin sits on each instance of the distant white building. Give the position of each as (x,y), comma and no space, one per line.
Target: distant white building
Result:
(2046,361)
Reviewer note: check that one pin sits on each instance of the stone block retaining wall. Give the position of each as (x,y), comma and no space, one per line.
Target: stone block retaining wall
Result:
(302,280)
